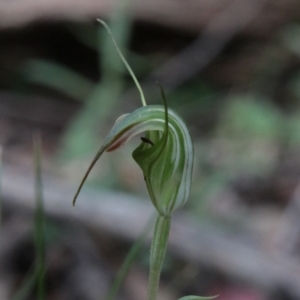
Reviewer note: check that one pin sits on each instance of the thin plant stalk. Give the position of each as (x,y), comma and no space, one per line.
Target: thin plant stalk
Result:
(39,226)
(157,254)
(125,62)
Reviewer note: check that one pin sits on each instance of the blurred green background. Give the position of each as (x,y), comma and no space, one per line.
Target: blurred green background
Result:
(230,69)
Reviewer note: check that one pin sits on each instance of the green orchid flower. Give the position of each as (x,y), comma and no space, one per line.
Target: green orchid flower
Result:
(165,154)
(166,159)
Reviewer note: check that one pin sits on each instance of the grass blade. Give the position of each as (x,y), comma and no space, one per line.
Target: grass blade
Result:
(59,77)
(39,224)
(27,286)
(129,260)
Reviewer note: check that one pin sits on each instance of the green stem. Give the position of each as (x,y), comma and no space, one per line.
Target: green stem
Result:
(158,251)
(125,62)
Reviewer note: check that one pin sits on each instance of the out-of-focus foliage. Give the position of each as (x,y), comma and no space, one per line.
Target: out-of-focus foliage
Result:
(58,77)
(248,132)
(100,98)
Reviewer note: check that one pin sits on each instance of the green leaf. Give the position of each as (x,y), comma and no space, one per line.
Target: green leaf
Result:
(165,156)
(59,77)
(197,298)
